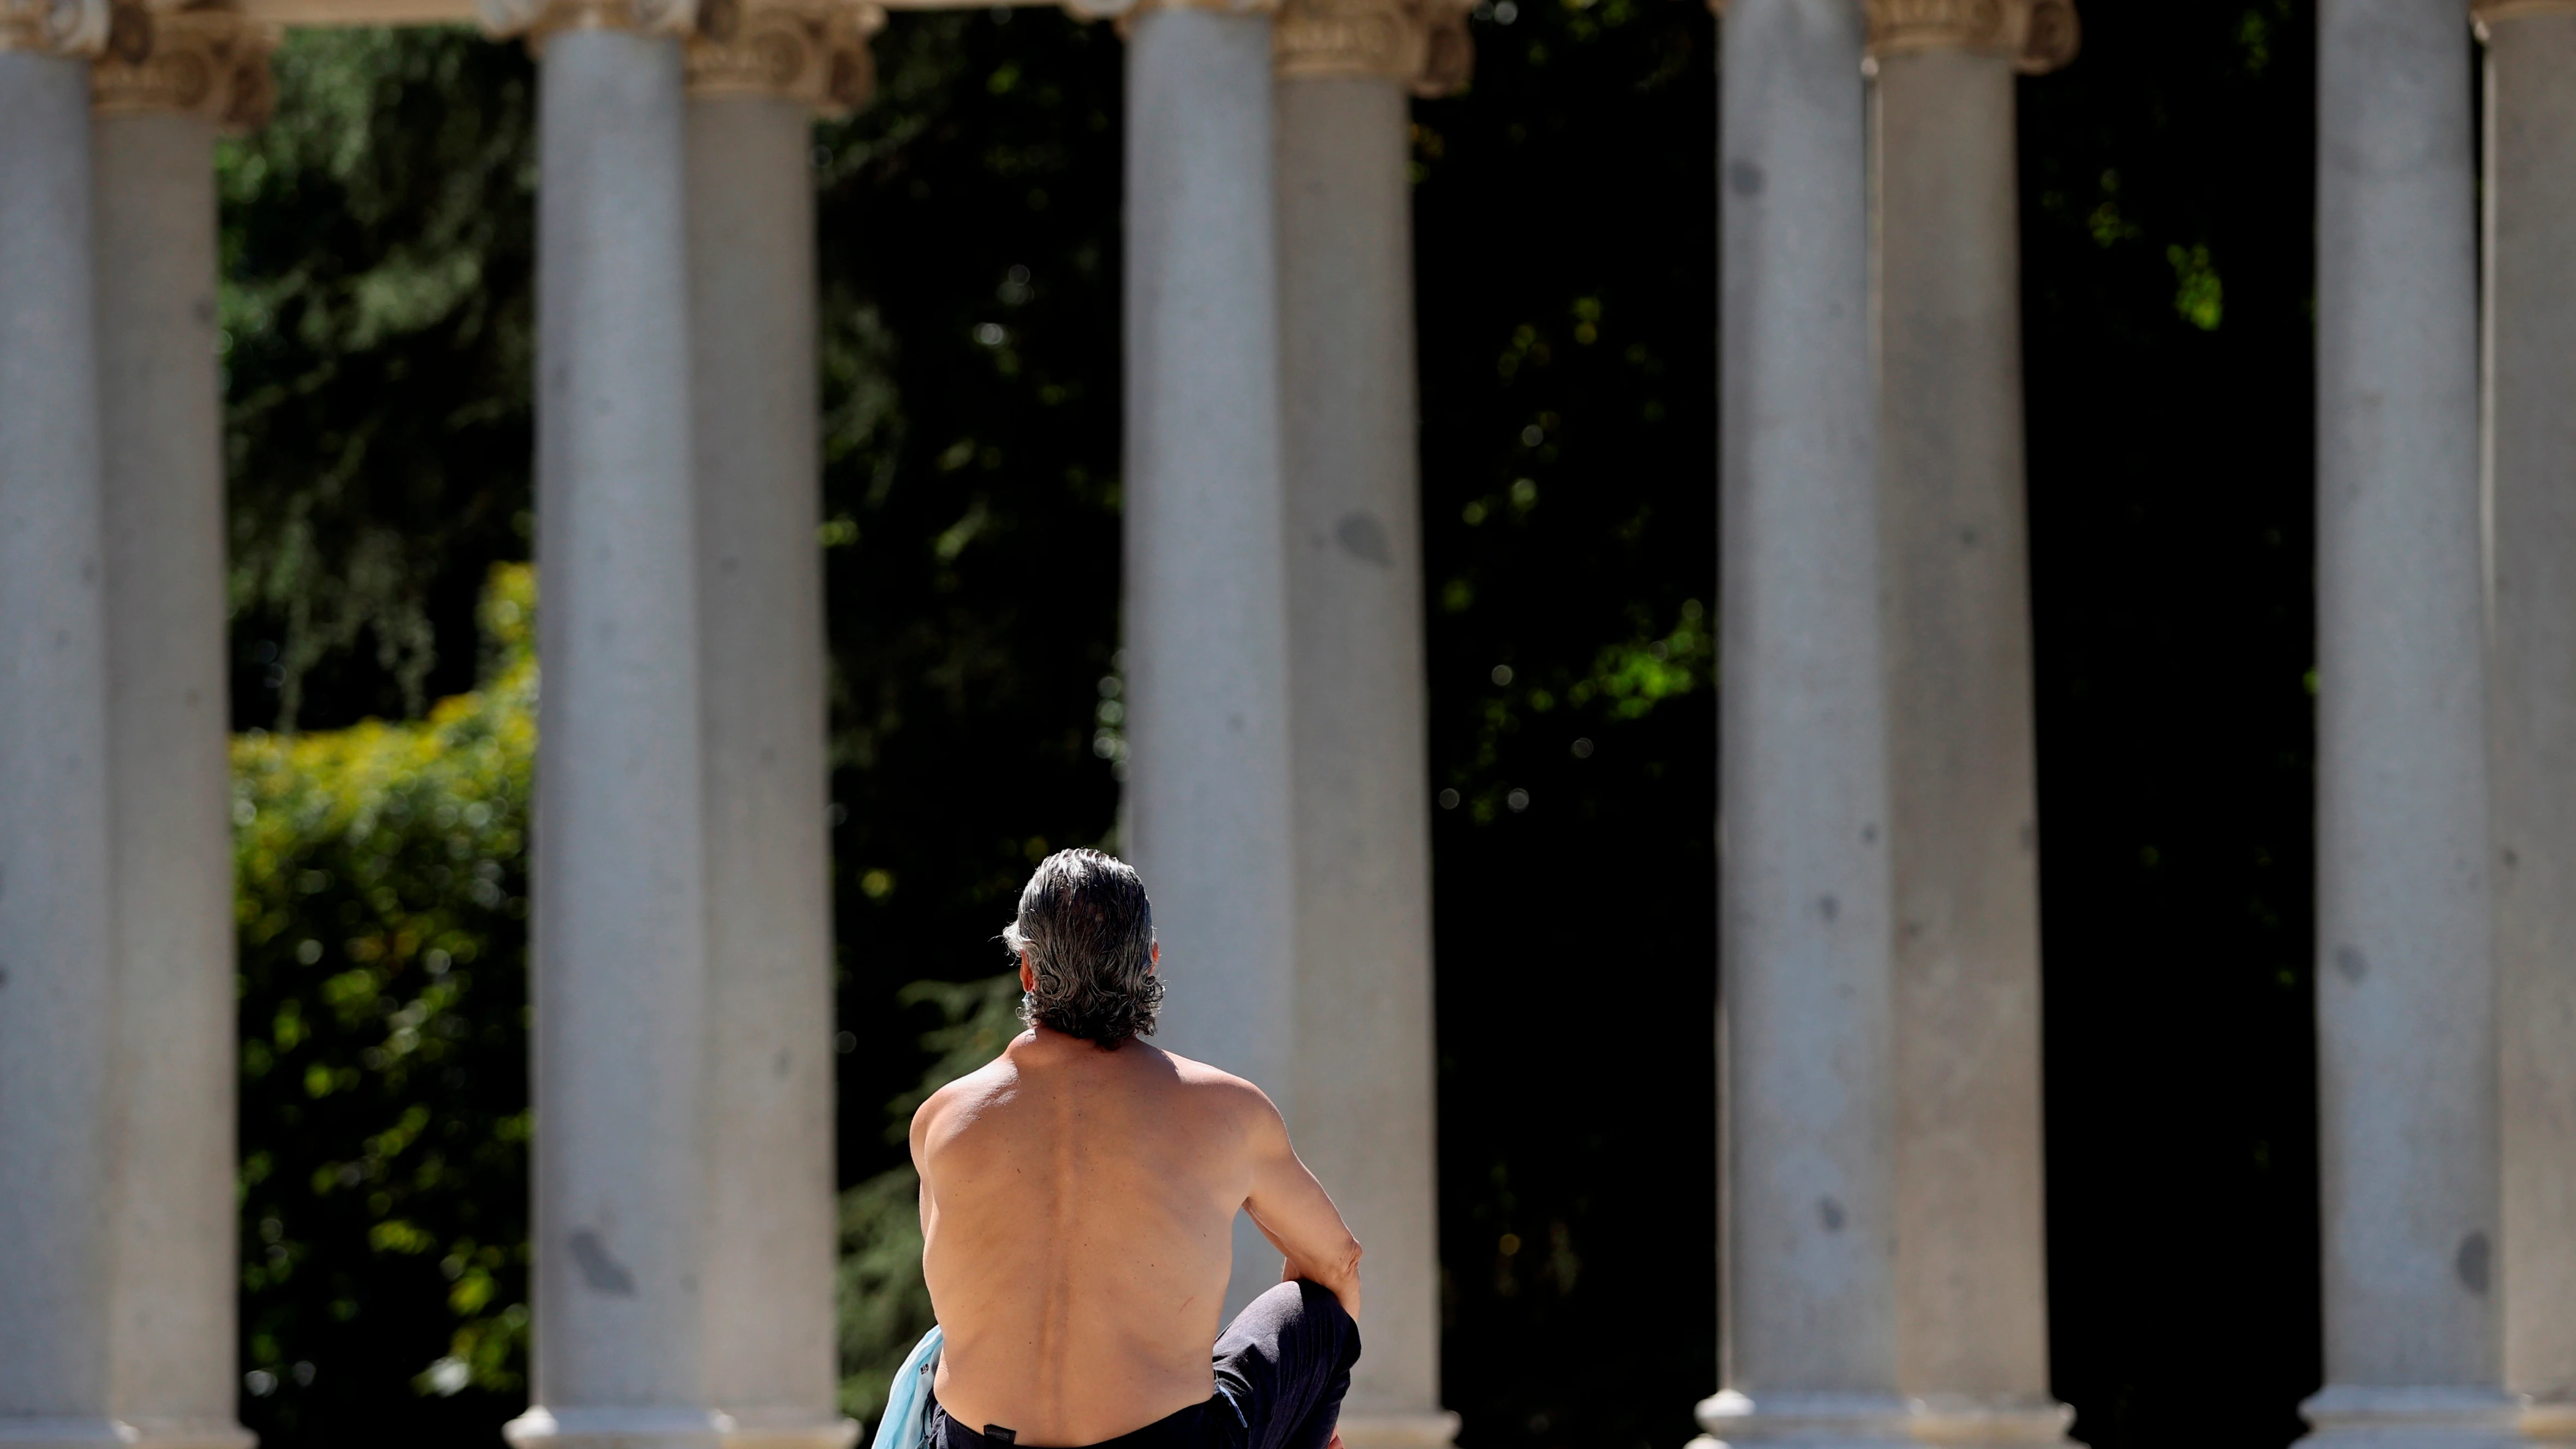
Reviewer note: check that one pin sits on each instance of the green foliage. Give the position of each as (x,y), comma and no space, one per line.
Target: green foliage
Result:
(969,284)
(383,917)
(885,1308)
(383,912)
(1565,221)
(2200,296)
(377,252)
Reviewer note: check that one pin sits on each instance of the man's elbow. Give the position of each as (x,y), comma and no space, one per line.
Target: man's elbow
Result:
(1341,1277)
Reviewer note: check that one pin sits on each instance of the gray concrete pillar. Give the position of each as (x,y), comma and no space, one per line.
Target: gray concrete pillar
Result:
(2405,977)
(2531,335)
(1208,803)
(1971,1261)
(1808,1314)
(1364,1071)
(772,1242)
(172,1219)
(620,930)
(57,1031)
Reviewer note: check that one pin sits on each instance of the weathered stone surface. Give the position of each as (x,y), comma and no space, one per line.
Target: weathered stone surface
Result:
(1357,725)
(2405,970)
(772,1369)
(1807,1134)
(2531,311)
(619,948)
(172,1288)
(1208,806)
(57,947)
(1969,1186)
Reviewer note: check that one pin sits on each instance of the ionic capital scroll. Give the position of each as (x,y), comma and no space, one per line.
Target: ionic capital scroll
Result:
(1422,43)
(209,62)
(54,27)
(815,51)
(2038,35)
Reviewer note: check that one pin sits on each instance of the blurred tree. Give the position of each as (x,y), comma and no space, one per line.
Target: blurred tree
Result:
(383,909)
(1566,220)
(377,246)
(970,312)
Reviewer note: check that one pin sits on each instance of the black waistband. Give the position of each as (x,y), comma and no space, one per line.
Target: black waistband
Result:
(1200,1426)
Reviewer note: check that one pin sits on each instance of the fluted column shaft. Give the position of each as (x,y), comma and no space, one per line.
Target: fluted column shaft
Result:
(1364,1074)
(2531,334)
(772,1361)
(2405,976)
(1972,1290)
(172,1216)
(620,948)
(1808,1326)
(56,945)
(1208,803)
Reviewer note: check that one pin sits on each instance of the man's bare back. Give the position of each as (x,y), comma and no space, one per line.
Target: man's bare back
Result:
(1077,1207)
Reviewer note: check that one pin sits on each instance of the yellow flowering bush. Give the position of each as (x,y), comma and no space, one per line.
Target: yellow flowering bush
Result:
(382,906)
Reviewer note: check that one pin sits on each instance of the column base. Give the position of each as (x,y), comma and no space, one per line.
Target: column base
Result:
(1434,1429)
(1814,1421)
(189,1434)
(2550,1423)
(615,1428)
(786,1429)
(1964,1422)
(2372,1416)
(61,1433)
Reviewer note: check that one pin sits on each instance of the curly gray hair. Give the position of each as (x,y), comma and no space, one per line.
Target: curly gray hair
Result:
(1088,933)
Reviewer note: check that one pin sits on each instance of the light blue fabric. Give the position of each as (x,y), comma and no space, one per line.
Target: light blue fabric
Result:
(908,1398)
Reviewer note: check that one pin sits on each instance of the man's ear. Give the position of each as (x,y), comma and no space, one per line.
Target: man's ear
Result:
(1028,975)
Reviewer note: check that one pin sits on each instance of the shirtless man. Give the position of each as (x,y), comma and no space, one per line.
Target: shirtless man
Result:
(1077,1211)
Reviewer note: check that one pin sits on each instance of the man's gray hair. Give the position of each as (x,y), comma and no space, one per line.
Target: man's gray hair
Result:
(1088,932)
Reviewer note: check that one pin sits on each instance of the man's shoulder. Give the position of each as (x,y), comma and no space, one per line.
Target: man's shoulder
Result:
(1216,1085)
(976,1085)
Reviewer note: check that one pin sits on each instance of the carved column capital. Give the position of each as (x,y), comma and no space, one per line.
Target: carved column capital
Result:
(2489,12)
(815,51)
(54,27)
(1422,43)
(534,20)
(208,62)
(2039,35)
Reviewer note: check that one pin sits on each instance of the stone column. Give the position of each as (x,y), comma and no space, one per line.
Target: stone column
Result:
(1207,628)
(1364,1071)
(56,948)
(2405,978)
(1971,1261)
(169,81)
(757,74)
(2530,334)
(620,932)
(1808,1315)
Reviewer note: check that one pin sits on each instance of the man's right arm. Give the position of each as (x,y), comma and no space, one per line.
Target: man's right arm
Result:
(924,1119)
(1293,1211)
